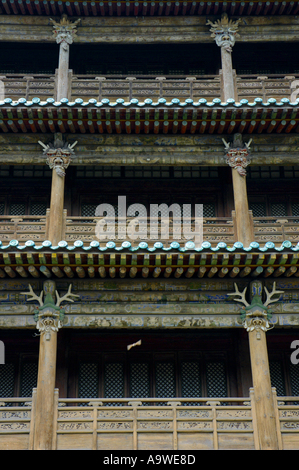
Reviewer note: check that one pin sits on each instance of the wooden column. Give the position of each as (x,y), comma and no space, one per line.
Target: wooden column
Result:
(243,219)
(256,322)
(264,403)
(49,317)
(225,32)
(44,417)
(63,71)
(227,75)
(56,208)
(64,33)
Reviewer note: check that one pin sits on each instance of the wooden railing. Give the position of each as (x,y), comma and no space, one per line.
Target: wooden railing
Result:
(111,87)
(215,230)
(149,423)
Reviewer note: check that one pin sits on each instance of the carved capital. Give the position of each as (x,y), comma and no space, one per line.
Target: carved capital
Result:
(48,314)
(64,31)
(58,155)
(237,154)
(224,31)
(257,314)
(48,320)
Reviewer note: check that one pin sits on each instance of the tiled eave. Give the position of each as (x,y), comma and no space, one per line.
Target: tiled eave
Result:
(157,8)
(215,117)
(31,260)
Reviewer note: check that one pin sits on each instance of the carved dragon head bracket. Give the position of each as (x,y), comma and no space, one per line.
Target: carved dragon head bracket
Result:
(224,31)
(58,155)
(256,315)
(64,31)
(49,315)
(237,154)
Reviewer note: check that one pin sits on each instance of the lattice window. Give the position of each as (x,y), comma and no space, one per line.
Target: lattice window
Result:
(216,379)
(263,172)
(165,379)
(31,171)
(7,372)
(258,209)
(88,380)
(98,172)
(38,208)
(4,170)
(195,172)
(295,209)
(28,378)
(2,208)
(139,380)
(278,210)
(147,172)
(88,210)
(294,379)
(191,380)
(277,377)
(209,210)
(17,209)
(114,380)
(291,172)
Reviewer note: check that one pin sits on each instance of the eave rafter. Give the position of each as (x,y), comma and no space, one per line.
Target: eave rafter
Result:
(186,261)
(135,117)
(157,8)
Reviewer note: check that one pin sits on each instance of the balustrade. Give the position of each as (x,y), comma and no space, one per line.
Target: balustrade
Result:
(111,87)
(148,423)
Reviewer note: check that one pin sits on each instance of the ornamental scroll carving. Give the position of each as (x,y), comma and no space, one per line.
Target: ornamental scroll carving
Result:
(49,315)
(224,31)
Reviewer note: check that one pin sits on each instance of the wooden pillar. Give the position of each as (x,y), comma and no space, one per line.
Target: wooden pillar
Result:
(64,33)
(225,32)
(63,71)
(56,208)
(227,75)
(264,403)
(256,322)
(243,218)
(49,317)
(44,416)
(58,158)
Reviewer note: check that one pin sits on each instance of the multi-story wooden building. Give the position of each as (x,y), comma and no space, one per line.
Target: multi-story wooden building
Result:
(139,342)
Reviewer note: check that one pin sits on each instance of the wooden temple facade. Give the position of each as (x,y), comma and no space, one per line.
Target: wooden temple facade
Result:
(124,338)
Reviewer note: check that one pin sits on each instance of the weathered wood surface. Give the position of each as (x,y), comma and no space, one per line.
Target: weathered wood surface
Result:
(72,229)
(209,87)
(149,29)
(129,424)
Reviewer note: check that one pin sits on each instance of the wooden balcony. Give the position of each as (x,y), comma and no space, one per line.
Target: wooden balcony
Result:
(110,87)
(215,230)
(149,423)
